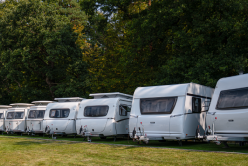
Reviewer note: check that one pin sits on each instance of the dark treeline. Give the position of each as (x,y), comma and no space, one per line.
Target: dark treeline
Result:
(66,48)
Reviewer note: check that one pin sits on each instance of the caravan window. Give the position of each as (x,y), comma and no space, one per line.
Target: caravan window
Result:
(59,113)
(10,115)
(36,114)
(65,113)
(40,113)
(123,109)
(1,116)
(96,111)
(196,105)
(15,115)
(19,115)
(31,114)
(233,99)
(157,105)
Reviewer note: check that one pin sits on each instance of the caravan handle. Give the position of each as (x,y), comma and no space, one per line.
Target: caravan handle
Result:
(134,116)
(176,115)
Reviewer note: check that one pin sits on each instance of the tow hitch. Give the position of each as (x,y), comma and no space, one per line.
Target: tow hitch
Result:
(141,137)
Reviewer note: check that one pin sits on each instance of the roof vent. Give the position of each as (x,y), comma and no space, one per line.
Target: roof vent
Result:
(111,95)
(21,105)
(41,103)
(69,99)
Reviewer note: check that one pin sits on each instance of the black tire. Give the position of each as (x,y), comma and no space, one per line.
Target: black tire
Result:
(103,137)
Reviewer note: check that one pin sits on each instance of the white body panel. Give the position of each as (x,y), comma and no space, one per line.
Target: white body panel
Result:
(61,125)
(3,110)
(110,125)
(17,125)
(229,124)
(35,125)
(180,123)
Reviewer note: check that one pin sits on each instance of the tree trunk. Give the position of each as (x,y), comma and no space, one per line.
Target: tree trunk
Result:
(50,87)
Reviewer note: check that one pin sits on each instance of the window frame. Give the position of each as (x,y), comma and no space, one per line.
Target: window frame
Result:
(8,114)
(3,115)
(120,109)
(36,114)
(14,115)
(198,105)
(60,112)
(20,112)
(96,106)
(157,98)
(43,114)
(230,108)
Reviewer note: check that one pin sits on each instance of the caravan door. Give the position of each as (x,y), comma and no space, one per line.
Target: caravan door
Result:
(155,116)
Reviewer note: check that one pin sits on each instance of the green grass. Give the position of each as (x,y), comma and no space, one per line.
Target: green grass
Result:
(23,151)
(168,144)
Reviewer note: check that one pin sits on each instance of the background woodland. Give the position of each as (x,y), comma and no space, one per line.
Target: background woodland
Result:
(70,48)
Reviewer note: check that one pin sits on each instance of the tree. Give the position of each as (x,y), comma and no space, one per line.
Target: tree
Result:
(192,41)
(40,52)
(113,67)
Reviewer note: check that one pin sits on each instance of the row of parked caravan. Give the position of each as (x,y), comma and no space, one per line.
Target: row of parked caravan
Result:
(167,112)
(105,115)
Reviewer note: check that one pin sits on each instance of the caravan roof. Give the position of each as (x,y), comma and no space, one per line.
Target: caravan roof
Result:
(172,90)
(41,103)
(111,95)
(69,99)
(17,105)
(5,106)
(238,81)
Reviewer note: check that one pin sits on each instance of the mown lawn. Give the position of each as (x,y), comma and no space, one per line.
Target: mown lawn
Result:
(23,151)
(168,144)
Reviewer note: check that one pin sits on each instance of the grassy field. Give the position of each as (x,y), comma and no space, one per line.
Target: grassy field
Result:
(23,151)
(169,144)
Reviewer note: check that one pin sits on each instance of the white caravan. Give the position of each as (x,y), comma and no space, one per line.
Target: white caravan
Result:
(3,109)
(169,112)
(15,120)
(60,117)
(104,116)
(227,116)
(35,117)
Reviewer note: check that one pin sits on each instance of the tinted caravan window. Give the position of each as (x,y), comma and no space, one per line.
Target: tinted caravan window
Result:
(36,114)
(196,105)
(235,98)
(40,113)
(1,116)
(157,105)
(96,111)
(19,115)
(31,114)
(10,115)
(15,115)
(59,113)
(123,109)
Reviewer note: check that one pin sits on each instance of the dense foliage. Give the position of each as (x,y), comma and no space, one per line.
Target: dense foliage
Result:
(40,59)
(51,49)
